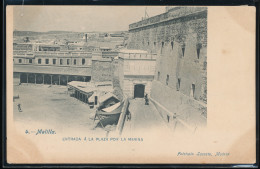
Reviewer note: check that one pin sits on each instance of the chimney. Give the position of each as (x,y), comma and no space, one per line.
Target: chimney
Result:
(86,37)
(27,39)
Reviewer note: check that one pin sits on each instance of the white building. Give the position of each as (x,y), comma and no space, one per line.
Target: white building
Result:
(136,70)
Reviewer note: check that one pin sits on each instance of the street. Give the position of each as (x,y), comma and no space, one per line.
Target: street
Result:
(145,118)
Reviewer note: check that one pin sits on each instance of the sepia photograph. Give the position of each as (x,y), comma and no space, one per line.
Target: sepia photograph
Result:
(152,72)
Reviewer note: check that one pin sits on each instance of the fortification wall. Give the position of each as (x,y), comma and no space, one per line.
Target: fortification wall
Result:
(179,38)
(188,111)
(102,71)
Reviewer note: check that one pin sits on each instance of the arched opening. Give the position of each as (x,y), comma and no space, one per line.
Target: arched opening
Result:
(39,79)
(55,79)
(47,79)
(192,90)
(183,49)
(179,84)
(96,100)
(63,80)
(23,78)
(31,78)
(199,46)
(83,61)
(139,91)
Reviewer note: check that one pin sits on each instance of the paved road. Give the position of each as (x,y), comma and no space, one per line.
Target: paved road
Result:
(53,107)
(144,117)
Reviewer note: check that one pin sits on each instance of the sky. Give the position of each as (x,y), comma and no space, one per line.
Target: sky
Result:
(80,18)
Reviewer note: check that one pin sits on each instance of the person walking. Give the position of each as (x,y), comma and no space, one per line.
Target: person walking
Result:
(146,99)
(19,107)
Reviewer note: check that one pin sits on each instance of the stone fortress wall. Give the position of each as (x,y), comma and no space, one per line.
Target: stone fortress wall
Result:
(179,38)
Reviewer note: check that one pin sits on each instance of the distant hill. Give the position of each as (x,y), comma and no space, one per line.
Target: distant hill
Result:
(31,33)
(25,33)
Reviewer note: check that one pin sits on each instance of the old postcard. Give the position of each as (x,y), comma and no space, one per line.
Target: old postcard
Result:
(131,84)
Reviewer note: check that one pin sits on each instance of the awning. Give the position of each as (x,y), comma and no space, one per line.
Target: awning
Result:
(106,97)
(111,108)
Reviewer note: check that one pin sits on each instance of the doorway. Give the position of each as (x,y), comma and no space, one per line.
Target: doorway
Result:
(96,100)
(23,78)
(192,91)
(139,91)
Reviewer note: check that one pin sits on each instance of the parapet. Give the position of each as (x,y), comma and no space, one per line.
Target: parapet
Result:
(171,14)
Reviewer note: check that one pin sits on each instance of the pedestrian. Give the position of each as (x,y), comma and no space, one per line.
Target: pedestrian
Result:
(146,99)
(19,107)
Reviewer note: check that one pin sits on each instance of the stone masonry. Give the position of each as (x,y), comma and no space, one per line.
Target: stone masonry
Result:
(179,38)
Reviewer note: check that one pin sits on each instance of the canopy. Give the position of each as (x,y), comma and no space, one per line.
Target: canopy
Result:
(111,108)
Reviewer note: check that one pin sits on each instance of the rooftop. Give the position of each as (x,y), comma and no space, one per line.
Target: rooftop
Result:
(109,44)
(106,97)
(62,54)
(132,51)
(92,86)
(23,55)
(63,70)
(86,87)
(136,54)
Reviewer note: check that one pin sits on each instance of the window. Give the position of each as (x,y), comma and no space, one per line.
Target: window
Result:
(54,61)
(158,76)
(192,91)
(198,49)
(75,61)
(96,100)
(30,60)
(204,65)
(61,62)
(162,47)
(20,60)
(68,61)
(167,80)
(83,62)
(39,61)
(154,44)
(183,49)
(46,61)
(178,84)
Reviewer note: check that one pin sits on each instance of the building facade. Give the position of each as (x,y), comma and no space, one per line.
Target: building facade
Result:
(102,68)
(52,67)
(179,38)
(136,69)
